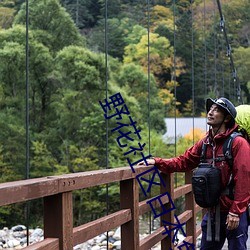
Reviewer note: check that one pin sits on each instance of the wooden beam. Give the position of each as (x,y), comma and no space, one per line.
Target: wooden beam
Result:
(24,190)
(90,230)
(152,239)
(58,219)
(98,177)
(46,244)
(167,243)
(129,197)
(144,207)
(185,189)
(190,205)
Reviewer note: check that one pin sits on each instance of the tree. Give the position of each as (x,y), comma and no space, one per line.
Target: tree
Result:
(80,74)
(40,60)
(117,33)
(161,57)
(135,81)
(53,25)
(161,16)
(42,163)
(6,17)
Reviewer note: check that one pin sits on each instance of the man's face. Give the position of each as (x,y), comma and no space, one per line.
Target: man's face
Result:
(215,116)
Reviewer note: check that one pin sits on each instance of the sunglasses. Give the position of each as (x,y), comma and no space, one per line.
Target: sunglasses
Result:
(221,102)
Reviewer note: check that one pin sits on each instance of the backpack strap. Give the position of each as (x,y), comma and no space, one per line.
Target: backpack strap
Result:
(227,148)
(227,151)
(203,152)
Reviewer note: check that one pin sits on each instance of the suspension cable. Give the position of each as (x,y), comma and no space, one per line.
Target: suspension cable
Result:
(192,77)
(106,82)
(215,52)
(222,68)
(149,121)
(205,50)
(27,207)
(175,88)
(229,53)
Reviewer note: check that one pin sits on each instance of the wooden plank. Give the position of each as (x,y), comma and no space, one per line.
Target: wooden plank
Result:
(129,197)
(98,177)
(46,244)
(198,208)
(190,205)
(157,236)
(58,219)
(198,230)
(144,207)
(188,239)
(24,190)
(166,243)
(182,190)
(90,230)
(152,239)
(184,217)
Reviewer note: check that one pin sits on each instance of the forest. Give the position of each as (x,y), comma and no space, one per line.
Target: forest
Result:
(164,57)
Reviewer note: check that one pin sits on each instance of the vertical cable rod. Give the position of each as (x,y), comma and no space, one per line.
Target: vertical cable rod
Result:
(77,13)
(215,53)
(205,50)
(193,96)
(149,122)
(236,83)
(175,91)
(106,82)
(174,73)
(27,207)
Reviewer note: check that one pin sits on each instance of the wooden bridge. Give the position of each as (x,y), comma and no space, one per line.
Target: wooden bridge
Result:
(56,192)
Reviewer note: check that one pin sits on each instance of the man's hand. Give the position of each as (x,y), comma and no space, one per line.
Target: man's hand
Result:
(232,222)
(149,161)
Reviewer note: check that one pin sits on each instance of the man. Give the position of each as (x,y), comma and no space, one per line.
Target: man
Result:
(221,115)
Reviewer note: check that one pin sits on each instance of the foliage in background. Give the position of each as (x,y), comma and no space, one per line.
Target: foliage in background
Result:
(68,77)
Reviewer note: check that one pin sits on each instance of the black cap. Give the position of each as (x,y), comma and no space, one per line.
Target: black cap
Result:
(223,103)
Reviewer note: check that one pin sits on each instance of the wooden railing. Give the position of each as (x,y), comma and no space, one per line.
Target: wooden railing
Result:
(56,192)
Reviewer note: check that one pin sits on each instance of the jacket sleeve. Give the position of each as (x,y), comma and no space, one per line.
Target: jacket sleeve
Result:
(185,162)
(241,175)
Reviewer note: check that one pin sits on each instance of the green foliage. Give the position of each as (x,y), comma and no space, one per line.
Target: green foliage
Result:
(42,162)
(13,148)
(6,17)
(12,59)
(137,84)
(67,125)
(53,25)
(118,31)
(84,13)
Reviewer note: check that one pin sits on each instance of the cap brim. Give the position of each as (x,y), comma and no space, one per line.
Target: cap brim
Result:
(209,103)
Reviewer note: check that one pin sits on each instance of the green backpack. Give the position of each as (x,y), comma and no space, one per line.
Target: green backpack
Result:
(243,120)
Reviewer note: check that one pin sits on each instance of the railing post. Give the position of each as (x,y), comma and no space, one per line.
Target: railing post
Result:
(129,198)
(58,219)
(190,205)
(166,243)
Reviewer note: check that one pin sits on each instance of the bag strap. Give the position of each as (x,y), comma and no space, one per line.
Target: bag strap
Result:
(203,152)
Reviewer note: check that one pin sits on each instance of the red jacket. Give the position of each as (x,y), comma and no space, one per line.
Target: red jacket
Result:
(241,167)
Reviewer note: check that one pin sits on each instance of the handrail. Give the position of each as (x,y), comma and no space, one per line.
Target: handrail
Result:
(56,192)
